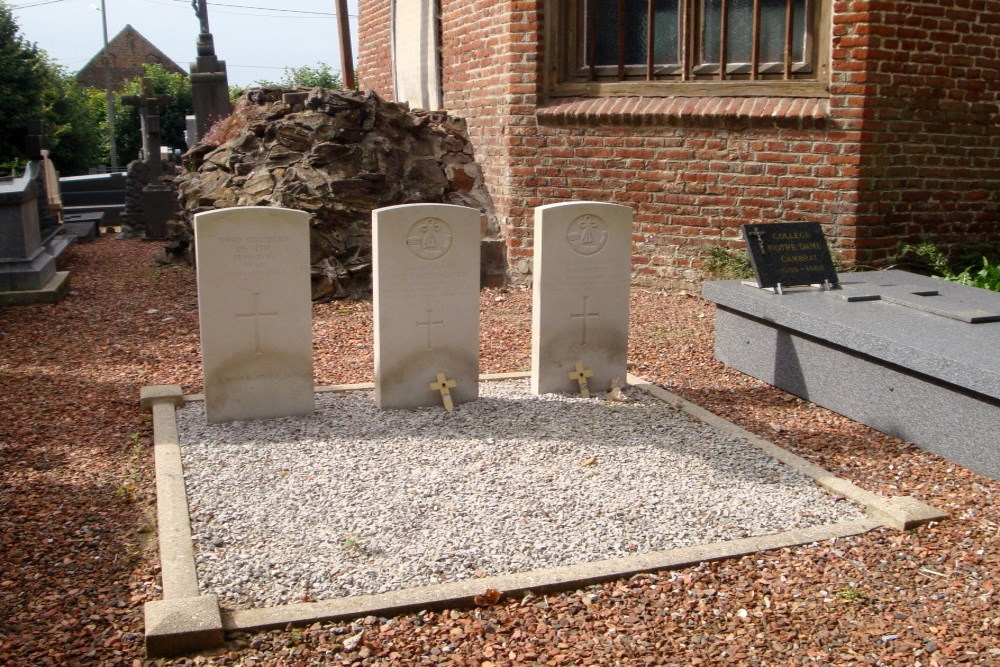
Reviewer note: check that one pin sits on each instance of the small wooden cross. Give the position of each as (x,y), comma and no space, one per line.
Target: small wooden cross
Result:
(444,385)
(580,375)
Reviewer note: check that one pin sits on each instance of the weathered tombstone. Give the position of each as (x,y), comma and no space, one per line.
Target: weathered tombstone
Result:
(426,292)
(580,304)
(148,104)
(36,139)
(255,312)
(95,193)
(789,253)
(158,201)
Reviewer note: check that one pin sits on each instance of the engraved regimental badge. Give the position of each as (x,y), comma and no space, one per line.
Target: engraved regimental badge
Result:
(587,234)
(429,238)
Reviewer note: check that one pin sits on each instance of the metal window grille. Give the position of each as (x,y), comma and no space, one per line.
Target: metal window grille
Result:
(695,39)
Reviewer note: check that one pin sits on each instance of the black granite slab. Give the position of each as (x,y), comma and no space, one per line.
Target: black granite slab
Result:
(789,253)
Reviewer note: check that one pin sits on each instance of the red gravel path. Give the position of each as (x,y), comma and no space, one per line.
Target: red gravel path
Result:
(77,558)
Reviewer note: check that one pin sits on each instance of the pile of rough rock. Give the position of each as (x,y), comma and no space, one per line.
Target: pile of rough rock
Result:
(337,155)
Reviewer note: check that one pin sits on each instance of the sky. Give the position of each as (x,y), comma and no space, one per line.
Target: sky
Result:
(257,39)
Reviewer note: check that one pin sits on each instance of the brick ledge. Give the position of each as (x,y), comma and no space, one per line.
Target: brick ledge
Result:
(669,111)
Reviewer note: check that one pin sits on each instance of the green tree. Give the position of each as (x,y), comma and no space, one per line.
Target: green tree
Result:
(23,77)
(32,86)
(76,121)
(320,76)
(172,117)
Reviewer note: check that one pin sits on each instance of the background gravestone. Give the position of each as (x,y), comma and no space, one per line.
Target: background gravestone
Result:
(255,312)
(580,304)
(426,292)
(158,200)
(31,232)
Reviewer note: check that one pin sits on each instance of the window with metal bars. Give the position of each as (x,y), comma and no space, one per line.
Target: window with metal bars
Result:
(689,40)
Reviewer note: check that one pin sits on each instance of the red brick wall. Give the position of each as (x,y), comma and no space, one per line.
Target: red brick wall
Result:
(908,143)
(929,87)
(481,67)
(375,46)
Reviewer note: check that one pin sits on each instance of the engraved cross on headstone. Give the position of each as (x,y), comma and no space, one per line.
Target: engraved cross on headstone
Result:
(149,105)
(430,324)
(256,315)
(585,315)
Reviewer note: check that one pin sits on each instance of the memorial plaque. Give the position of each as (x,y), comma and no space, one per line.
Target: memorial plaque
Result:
(255,312)
(789,253)
(426,293)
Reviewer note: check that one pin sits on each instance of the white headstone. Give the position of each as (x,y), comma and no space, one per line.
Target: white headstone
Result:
(426,292)
(255,312)
(580,301)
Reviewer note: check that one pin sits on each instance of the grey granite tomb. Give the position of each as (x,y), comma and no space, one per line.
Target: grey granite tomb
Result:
(30,243)
(912,356)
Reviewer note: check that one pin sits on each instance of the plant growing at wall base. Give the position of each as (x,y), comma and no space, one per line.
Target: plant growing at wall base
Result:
(926,254)
(977,271)
(986,277)
(722,263)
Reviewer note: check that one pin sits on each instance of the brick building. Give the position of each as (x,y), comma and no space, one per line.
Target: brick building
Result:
(129,51)
(877,118)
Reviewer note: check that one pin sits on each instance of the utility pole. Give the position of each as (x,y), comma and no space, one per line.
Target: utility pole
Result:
(110,92)
(346,55)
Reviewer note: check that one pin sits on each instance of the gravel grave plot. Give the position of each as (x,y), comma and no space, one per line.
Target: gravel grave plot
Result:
(78,558)
(354,500)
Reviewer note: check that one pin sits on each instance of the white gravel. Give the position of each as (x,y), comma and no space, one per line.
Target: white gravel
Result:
(354,500)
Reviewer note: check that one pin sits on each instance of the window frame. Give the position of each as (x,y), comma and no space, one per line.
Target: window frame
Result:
(565,71)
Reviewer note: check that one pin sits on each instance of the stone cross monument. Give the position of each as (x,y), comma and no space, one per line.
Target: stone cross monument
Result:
(149,105)
(157,199)
(209,83)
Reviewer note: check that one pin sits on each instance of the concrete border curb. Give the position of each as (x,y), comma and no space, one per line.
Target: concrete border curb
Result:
(461,593)
(900,512)
(186,621)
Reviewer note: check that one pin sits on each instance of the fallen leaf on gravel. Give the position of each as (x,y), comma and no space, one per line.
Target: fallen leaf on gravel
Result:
(589,461)
(489,597)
